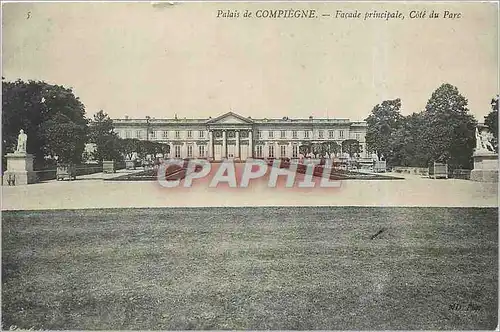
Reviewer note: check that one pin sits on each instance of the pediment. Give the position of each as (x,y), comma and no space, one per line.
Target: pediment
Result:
(230,118)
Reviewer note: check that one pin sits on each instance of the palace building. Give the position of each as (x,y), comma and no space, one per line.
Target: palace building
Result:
(233,136)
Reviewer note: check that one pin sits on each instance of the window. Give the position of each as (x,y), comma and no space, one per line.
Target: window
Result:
(177,134)
(283,133)
(201,134)
(271,151)
(190,134)
(357,136)
(306,134)
(331,134)
(165,134)
(259,151)
(259,134)
(201,150)
(283,151)
(341,134)
(271,134)
(177,150)
(294,134)
(153,134)
(295,151)
(190,151)
(320,134)
(127,134)
(138,134)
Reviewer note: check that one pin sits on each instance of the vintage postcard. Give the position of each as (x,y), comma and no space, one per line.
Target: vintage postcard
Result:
(250,165)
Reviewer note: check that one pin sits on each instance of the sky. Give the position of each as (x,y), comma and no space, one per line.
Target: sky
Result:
(140,59)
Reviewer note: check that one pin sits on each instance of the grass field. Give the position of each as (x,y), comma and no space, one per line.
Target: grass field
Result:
(251,268)
(176,172)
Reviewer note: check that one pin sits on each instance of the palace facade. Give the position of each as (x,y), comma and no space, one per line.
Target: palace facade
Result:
(233,136)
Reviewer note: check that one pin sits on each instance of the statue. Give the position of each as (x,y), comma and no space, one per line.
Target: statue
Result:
(21,142)
(479,145)
(487,143)
(483,143)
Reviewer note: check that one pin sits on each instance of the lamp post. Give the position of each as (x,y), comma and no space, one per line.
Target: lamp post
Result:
(147,127)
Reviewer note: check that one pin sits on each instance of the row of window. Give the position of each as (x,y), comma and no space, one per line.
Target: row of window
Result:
(165,134)
(259,151)
(283,151)
(258,148)
(270,134)
(306,134)
(201,151)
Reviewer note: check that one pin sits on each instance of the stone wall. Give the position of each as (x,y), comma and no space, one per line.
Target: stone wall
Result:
(411,170)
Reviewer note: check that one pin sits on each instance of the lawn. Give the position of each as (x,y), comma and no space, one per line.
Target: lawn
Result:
(177,172)
(251,268)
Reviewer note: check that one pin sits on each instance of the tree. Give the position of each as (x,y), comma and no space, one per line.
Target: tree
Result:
(153,148)
(128,146)
(102,134)
(58,133)
(305,149)
(491,121)
(331,148)
(449,131)
(384,120)
(494,103)
(318,150)
(406,143)
(351,146)
(49,114)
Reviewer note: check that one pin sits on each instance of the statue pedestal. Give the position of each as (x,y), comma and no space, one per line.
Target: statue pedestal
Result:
(19,169)
(485,167)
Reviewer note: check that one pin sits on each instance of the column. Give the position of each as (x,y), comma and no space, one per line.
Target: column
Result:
(224,144)
(237,144)
(250,144)
(210,148)
(184,150)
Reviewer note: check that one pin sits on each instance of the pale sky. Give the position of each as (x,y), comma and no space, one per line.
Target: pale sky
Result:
(137,59)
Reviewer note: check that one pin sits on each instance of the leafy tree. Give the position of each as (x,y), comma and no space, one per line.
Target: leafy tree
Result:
(58,133)
(330,148)
(128,146)
(49,114)
(494,103)
(305,149)
(102,134)
(153,148)
(491,121)
(448,133)
(351,146)
(318,150)
(384,120)
(406,143)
